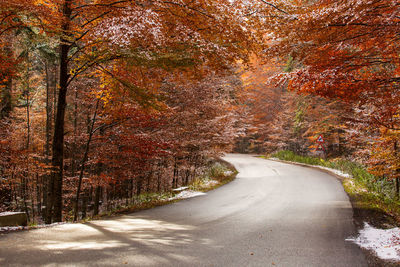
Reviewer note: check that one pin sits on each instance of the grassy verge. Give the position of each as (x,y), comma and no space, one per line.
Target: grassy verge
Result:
(367,192)
(219,173)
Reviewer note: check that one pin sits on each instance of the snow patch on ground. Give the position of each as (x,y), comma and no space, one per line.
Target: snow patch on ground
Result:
(187,194)
(340,173)
(6,213)
(4,229)
(385,243)
(210,183)
(12,228)
(337,172)
(228,173)
(180,188)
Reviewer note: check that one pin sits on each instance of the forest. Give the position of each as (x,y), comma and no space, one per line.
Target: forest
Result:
(104,100)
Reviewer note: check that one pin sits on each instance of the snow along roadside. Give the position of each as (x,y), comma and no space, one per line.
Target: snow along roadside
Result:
(182,195)
(334,171)
(384,242)
(187,193)
(5,229)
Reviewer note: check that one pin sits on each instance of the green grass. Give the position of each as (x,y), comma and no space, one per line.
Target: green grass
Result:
(364,199)
(365,190)
(356,170)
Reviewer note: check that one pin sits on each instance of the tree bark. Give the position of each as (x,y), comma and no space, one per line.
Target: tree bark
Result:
(396,179)
(28,117)
(50,87)
(74,146)
(56,181)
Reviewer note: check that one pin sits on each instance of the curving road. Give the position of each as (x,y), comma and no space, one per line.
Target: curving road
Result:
(273,214)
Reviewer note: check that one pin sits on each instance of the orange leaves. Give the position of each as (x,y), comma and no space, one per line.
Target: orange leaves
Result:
(385,154)
(347,50)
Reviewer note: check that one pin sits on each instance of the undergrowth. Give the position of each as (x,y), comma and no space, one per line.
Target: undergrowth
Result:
(217,175)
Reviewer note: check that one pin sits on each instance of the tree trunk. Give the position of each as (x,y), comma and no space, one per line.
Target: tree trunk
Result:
(175,178)
(96,201)
(187,177)
(149,176)
(56,183)
(84,205)
(84,159)
(50,87)
(159,177)
(74,146)
(6,106)
(139,185)
(396,180)
(28,118)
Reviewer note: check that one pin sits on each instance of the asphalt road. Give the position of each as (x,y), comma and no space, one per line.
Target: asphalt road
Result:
(273,214)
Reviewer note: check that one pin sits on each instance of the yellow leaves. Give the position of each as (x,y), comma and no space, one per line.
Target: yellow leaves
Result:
(73,72)
(105,92)
(51,4)
(105,96)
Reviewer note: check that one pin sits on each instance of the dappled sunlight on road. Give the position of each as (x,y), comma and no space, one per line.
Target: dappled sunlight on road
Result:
(151,242)
(80,245)
(96,234)
(273,212)
(131,223)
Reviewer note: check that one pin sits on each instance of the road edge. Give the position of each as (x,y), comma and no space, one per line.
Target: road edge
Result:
(358,219)
(131,210)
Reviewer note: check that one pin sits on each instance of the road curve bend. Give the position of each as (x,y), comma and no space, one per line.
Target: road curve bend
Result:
(273,214)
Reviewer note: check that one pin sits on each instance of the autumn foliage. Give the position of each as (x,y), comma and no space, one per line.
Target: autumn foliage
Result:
(104,100)
(342,56)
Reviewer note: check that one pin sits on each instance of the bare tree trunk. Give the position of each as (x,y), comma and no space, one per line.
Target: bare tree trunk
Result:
(84,160)
(84,206)
(139,185)
(27,98)
(149,176)
(73,161)
(187,176)
(159,176)
(396,180)
(50,85)
(39,190)
(55,186)
(96,201)
(28,122)
(175,178)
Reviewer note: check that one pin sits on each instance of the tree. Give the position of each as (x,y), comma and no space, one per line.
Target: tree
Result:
(85,42)
(348,51)
(153,95)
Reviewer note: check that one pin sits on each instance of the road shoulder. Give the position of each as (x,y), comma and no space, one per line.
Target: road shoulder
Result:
(361,215)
